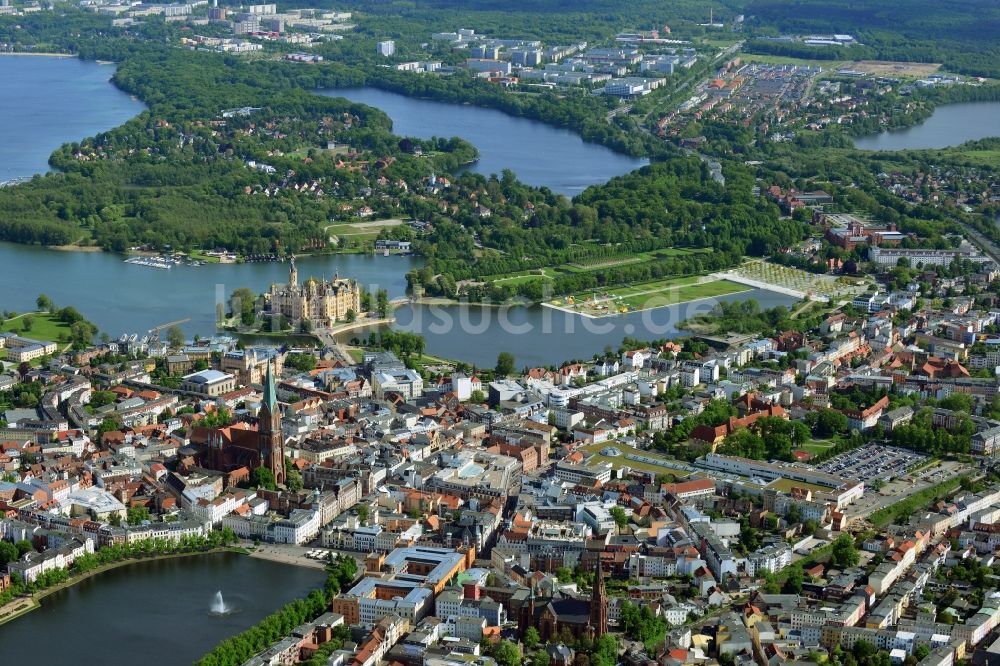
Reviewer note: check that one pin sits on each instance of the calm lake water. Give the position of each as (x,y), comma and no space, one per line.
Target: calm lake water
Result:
(46,102)
(124,298)
(539,154)
(539,335)
(949,125)
(121,297)
(159,610)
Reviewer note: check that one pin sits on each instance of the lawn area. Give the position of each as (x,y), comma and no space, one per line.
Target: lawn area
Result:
(987,158)
(817,446)
(586,265)
(647,295)
(827,65)
(513,279)
(44,326)
(682,294)
(361,231)
(786,485)
(622,461)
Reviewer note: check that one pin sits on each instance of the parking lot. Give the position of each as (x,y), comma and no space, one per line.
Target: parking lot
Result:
(874,462)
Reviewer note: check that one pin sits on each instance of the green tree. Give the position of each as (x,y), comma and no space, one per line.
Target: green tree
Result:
(362,510)
(505,364)
(293,479)
(506,653)
(844,553)
(44,302)
(382,303)
(477,397)
(243,304)
(23,546)
(175,337)
(620,517)
(136,515)
(541,658)
(262,477)
(531,638)
(8,553)
(793,580)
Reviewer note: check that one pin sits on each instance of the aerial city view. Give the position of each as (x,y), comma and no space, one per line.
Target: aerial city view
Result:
(493,333)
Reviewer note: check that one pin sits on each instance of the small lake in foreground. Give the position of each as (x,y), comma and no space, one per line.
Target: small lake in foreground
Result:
(156,613)
(949,125)
(540,154)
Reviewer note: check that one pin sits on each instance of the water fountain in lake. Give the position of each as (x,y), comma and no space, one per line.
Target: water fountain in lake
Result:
(219,605)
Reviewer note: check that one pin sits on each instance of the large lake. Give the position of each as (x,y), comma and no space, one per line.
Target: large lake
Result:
(539,335)
(47,101)
(949,125)
(121,297)
(154,613)
(124,298)
(539,154)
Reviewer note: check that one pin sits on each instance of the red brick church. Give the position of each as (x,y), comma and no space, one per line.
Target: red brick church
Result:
(240,445)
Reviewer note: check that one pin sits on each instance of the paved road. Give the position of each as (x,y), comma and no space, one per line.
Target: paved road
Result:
(291,554)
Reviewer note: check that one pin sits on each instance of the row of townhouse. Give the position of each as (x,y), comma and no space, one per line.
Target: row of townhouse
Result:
(301,526)
(33,564)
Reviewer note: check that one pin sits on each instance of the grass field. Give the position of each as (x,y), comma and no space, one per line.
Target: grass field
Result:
(786,485)
(621,461)
(647,295)
(986,158)
(827,65)
(43,327)
(361,231)
(816,446)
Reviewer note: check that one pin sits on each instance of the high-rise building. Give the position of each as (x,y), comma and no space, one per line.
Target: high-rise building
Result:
(386,48)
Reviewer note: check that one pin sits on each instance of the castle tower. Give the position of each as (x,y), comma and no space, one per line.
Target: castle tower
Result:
(272,442)
(598,607)
(293,275)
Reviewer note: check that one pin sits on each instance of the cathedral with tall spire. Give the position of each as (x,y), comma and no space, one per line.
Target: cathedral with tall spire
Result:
(240,448)
(272,442)
(598,603)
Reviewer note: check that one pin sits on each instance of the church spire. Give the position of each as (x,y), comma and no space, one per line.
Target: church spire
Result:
(270,393)
(598,609)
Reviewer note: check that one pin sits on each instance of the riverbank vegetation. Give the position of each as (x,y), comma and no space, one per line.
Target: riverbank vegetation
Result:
(236,650)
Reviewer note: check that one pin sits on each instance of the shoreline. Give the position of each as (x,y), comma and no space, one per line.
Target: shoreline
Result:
(38,54)
(567,310)
(33,601)
(290,560)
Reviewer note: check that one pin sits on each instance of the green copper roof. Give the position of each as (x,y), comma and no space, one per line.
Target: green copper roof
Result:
(270,394)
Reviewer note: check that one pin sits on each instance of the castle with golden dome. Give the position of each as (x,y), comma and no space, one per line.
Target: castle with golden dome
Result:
(320,302)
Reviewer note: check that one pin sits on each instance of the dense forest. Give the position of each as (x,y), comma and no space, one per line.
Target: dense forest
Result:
(962,36)
(183,175)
